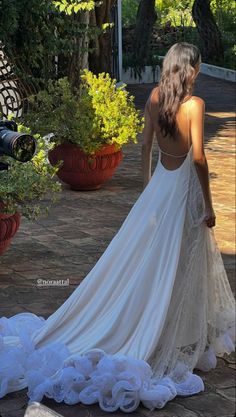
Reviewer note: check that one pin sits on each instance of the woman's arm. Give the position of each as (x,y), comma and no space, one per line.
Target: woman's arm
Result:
(199,158)
(148,134)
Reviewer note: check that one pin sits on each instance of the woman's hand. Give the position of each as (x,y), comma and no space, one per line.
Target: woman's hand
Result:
(210,217)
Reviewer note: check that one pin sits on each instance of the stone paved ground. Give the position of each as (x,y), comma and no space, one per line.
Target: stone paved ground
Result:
(68,242)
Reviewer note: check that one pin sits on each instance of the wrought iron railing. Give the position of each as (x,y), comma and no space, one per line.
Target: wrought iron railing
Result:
(14,89)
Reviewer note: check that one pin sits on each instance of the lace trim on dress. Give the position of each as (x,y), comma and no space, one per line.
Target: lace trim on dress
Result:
(113,381)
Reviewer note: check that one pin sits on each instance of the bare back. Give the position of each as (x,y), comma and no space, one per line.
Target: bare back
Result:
(177,147)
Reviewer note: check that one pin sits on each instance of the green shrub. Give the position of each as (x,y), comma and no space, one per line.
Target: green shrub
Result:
(175,12)
(98,113)
(24,185)
(129,11)
(35,32)
(230,58)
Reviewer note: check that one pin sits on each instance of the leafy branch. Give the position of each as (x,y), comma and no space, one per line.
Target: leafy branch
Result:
(70,7)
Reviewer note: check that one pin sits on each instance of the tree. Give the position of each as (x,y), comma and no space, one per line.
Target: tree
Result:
(57,39)
(94,47)
(100,56)
(146,17)
(212,48)
(48,43)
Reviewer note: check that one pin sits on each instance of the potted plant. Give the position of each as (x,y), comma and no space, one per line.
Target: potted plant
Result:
(89,126)
(23,187)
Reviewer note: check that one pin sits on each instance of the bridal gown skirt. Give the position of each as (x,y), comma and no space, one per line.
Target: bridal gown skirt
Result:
(155,306)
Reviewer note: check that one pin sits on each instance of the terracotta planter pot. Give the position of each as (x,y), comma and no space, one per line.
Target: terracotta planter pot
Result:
(83,172)
(9,224)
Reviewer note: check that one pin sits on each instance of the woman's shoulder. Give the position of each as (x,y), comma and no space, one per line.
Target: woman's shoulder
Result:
(153,97)
(195,106)
(196,102)
(154,94)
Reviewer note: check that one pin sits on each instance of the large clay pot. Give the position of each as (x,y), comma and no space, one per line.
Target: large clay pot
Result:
(84,172)
(9,224)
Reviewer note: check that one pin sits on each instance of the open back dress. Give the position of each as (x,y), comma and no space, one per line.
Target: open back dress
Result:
(156,305)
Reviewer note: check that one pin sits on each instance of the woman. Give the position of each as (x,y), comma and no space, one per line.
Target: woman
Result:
(158,303)
(178,125)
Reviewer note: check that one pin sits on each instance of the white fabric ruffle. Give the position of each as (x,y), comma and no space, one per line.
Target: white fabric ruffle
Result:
(113,381)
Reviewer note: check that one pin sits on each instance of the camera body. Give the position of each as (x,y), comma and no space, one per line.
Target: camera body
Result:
(19,146)
(8,125)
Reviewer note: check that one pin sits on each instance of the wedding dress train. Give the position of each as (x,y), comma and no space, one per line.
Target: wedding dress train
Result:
(155,306)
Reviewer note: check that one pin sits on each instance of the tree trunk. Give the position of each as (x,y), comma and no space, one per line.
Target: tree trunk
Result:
(100,59)
(212,48)
(79,58)
(146,17)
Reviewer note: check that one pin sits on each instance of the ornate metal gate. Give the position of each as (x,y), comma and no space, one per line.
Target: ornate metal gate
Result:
(13,90)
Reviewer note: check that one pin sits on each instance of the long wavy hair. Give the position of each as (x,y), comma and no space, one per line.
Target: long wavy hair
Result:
(177,80)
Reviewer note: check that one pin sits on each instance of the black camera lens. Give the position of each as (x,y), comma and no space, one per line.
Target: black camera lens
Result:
(19,146)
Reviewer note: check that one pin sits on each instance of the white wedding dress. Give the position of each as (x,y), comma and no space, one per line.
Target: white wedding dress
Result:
(155,306)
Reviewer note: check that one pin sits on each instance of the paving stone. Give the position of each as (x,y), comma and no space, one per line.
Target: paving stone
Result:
(220,377)
(11,404)
(230,358)
(210,405)
(15,413)
(81,410)
(170,410)
(228,393)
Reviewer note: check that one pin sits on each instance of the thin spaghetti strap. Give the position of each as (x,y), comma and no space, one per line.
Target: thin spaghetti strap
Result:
(170,154)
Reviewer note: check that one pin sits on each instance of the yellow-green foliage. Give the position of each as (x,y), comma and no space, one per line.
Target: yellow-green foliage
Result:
(24,185)
(114,110)
(98,113)
(70,7)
